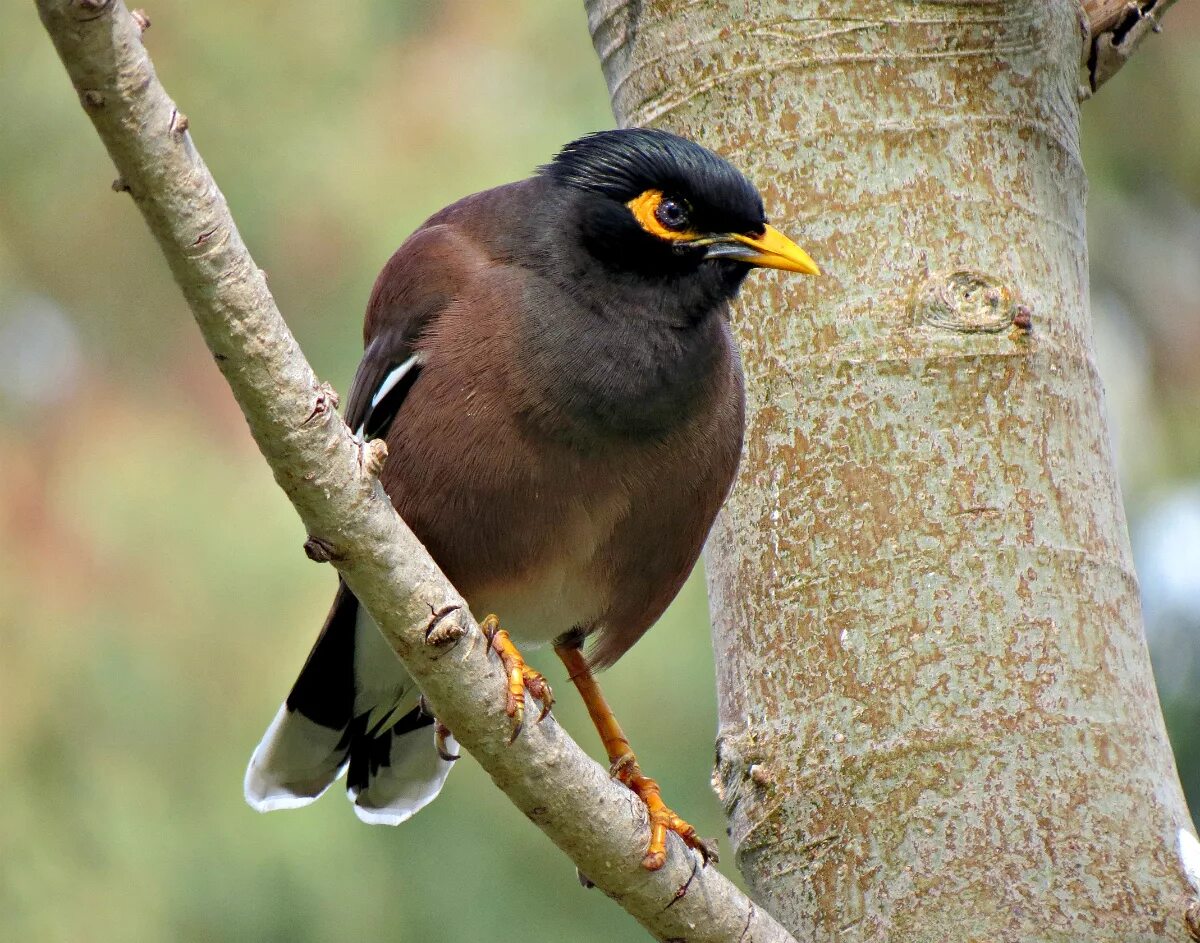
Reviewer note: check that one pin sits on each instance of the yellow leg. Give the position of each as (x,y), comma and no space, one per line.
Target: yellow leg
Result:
(521,678)
(625,767)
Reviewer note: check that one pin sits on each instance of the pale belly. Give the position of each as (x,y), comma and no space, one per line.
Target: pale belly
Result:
(560,601)
(567,584)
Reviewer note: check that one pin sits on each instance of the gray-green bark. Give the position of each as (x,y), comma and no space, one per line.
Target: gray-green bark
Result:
(937,717)
(331,478)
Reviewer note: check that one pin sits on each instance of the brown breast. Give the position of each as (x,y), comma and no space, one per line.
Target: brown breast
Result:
(548,534)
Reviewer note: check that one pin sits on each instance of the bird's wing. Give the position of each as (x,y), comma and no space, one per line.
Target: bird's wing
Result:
(389,368)
(424,275)
(354,708)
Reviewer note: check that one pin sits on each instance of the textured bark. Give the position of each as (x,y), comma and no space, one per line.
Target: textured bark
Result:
(937,717)
(332,481)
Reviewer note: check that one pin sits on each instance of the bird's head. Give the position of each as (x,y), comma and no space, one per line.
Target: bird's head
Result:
(656,207)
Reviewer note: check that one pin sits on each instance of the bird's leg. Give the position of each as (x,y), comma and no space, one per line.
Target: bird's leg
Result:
(626,769)
(521,678)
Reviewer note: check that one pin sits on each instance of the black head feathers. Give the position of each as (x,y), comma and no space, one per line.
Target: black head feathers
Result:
(624,163)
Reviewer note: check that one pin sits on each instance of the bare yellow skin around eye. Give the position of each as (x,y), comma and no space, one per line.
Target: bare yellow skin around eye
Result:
(643,207)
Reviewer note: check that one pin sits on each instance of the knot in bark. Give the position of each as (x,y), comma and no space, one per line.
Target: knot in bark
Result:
(967,302)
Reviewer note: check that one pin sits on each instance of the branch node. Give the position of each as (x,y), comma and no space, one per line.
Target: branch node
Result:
(965,302)
(325,402)
(320,550)
(120,186)
(371,457)
(141,19)
(440,630)
(1114,32)
(179,121)
(1023,318)
(205,236)
(92,98)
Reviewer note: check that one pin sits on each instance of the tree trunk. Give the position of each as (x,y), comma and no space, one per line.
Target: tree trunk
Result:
(937,717)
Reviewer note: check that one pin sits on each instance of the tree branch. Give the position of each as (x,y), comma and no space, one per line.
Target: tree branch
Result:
(1113,31)
(331,479)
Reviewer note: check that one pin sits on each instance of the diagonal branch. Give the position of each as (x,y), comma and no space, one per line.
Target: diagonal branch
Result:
(331,479)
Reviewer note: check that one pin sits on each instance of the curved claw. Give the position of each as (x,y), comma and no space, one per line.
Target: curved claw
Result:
(522,679)
(662,819)
(539,689)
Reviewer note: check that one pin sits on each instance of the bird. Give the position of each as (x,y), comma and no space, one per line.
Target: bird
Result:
(551,365)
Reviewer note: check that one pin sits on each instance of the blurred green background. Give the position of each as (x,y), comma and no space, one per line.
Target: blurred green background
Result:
(155,605)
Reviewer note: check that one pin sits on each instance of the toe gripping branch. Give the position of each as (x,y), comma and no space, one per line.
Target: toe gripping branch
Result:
(521,678)
(625,768)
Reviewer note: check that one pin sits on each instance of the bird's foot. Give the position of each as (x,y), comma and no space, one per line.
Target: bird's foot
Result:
(662,820)
(521,678)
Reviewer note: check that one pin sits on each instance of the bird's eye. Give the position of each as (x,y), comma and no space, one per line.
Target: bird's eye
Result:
(665,217)
(672,213)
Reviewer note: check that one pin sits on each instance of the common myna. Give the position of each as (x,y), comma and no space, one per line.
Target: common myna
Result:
(550,364)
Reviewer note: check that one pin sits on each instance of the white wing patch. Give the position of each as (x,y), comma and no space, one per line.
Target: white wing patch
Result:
(389,383)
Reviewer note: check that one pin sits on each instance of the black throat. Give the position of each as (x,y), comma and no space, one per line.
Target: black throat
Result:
(598,372)
(619,345)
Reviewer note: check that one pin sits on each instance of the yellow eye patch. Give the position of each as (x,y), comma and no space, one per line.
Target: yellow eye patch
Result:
(645,208)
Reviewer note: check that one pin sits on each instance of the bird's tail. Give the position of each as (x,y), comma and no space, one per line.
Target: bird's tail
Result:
(353,710)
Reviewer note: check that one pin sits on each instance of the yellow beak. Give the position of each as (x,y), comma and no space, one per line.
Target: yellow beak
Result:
(774,250)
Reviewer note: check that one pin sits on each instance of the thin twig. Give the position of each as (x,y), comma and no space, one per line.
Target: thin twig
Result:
(1113,29)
